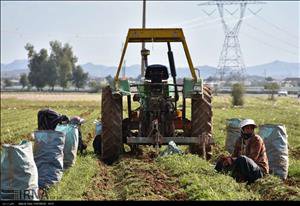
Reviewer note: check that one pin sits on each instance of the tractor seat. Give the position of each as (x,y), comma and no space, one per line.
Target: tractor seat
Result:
(156,73)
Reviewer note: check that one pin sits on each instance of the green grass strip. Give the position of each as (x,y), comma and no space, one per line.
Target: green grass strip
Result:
(75,180)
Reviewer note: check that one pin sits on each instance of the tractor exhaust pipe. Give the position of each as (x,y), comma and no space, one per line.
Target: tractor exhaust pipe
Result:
(173,70)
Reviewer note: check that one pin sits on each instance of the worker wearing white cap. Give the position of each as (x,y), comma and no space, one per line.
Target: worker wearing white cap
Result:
(249,160)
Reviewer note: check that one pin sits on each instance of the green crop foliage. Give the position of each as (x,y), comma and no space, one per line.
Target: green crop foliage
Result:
(75,180)
(201,182)
(272,188)
(294,168)
(185,177)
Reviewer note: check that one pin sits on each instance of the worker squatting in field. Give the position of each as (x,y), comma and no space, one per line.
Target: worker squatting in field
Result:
(249,160)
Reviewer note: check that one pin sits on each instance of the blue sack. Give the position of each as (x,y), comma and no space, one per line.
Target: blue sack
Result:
(48,156)
(276,140)
(97,140)
(71,143)
(19,174)
(98,130)
(233,132)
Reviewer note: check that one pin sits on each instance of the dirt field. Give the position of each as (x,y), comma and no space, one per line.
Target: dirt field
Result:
(46,96)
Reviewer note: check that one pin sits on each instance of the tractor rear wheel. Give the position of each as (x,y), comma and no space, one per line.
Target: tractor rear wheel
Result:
(111,141)
(201,120)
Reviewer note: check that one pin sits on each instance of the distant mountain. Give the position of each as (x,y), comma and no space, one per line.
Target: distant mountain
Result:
(276,69)
(103,71)
(96,70)
(205,71)
(14,69)
(15,65)
(135,70)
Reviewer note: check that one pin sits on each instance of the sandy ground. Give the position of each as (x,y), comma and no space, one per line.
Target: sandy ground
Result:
(74,96)
(46,96)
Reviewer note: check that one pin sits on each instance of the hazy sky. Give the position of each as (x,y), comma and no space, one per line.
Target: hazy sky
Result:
(97,29)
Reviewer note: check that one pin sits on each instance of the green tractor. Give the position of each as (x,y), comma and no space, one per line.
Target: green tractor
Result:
(158,119)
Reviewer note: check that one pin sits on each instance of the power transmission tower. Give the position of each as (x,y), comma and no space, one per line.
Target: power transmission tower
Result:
(231,58)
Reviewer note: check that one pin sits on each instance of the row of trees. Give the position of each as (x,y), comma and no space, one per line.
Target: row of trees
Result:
(58,68)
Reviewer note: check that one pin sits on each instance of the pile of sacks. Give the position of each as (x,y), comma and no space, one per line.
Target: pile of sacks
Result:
(27,169)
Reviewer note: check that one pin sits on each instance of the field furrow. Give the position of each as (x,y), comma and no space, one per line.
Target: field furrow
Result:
(146,177)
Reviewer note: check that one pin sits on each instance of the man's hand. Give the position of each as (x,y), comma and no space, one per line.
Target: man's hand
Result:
(224,163)
(227,161)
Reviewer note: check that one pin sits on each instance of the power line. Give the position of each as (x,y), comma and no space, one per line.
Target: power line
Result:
(271,45)
(202,23)
(275,37)
(76,36)
(267,44)
(189,21)
(277,27)
(217,24)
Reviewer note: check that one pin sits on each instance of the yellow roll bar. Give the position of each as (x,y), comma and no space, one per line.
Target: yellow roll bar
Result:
(156,35)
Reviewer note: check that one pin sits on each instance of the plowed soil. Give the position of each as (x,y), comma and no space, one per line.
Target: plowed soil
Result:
(134,179)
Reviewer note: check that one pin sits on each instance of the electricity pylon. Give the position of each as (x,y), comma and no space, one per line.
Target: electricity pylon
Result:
(231,57)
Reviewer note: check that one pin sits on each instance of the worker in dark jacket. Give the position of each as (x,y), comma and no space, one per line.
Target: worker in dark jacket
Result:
(249,160)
